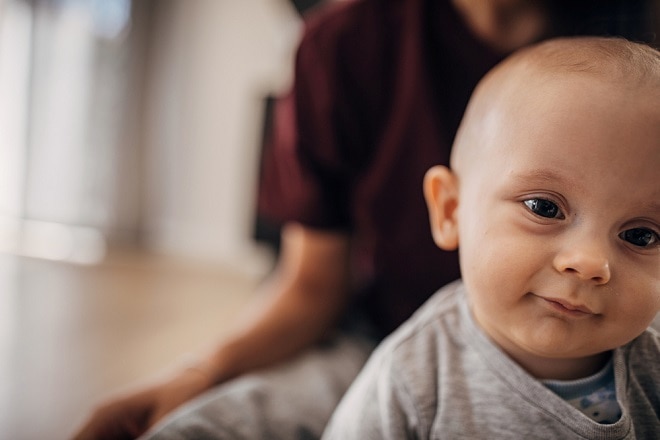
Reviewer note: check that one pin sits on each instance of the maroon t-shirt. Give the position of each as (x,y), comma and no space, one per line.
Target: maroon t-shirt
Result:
(380,87)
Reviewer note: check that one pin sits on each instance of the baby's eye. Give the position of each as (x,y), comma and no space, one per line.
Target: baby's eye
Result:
(544,208)
(641,237)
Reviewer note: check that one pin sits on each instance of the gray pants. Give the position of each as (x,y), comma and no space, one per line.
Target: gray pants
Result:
(290,401)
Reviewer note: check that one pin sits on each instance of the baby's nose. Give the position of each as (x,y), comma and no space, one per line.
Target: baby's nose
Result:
(587,261)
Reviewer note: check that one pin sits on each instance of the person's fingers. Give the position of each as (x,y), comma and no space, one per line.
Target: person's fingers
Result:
(119,419)
(131,415)
(102,431)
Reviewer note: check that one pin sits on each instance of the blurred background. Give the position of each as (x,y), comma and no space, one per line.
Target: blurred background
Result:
(130,137)
(136,123)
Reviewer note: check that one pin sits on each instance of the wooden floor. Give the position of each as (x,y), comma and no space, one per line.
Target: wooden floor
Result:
(70,334)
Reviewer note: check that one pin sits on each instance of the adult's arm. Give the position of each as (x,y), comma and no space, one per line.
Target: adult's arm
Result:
(303,300)
(300,304)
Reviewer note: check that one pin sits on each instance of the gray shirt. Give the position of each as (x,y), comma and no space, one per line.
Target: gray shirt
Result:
(440,377)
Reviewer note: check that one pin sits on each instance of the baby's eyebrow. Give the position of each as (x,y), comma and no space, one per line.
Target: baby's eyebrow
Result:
(652,206)
(542,175)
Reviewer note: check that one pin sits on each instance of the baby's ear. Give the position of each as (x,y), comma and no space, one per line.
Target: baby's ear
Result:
(441,193)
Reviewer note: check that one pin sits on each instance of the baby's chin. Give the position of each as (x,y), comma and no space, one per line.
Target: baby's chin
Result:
(548,359)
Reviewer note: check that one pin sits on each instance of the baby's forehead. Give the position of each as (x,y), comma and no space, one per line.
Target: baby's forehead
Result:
(560,126)
(555,73)
(523,84)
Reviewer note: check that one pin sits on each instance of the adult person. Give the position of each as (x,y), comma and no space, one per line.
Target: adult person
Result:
(380,87)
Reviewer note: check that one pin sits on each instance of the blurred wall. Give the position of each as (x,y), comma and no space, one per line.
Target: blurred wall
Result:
(210,66)
(144,129)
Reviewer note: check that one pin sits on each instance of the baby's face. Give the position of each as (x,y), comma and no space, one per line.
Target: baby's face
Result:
(559,219)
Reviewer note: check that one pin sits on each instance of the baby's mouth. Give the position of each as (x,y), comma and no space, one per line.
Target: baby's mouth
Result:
(566,307)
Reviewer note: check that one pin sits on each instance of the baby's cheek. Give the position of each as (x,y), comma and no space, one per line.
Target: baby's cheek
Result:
(486,266)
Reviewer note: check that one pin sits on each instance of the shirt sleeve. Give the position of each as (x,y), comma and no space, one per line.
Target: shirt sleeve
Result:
(303,177)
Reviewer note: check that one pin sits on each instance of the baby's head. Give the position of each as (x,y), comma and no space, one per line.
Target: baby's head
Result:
(554,201)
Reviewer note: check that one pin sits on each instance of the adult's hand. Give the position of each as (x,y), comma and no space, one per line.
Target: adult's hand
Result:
(130,415)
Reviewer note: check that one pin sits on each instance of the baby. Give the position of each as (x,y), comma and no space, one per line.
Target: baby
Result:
(553,198)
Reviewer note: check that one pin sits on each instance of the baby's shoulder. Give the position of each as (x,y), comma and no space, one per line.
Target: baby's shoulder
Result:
(435,331)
